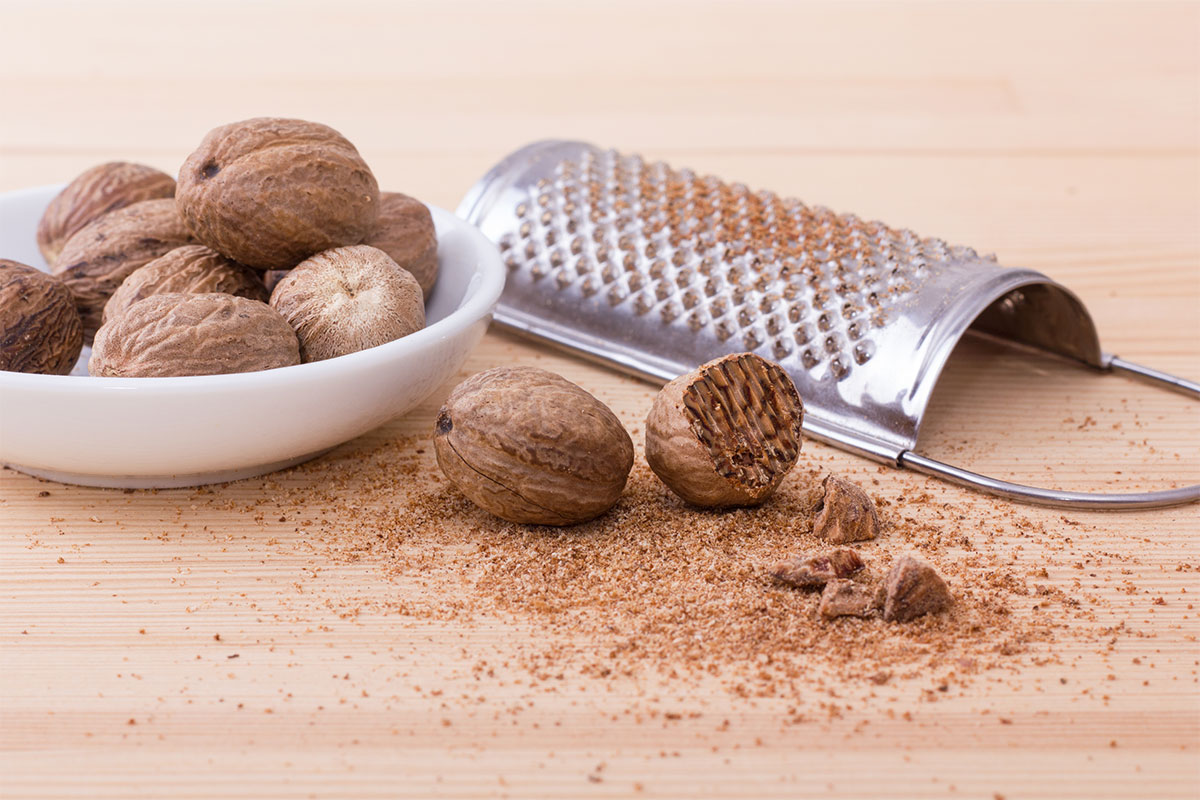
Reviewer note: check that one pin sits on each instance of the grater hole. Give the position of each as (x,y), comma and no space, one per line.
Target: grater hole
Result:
(863,351)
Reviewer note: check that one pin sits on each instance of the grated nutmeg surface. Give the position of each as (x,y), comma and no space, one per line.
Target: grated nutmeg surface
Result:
(747,413)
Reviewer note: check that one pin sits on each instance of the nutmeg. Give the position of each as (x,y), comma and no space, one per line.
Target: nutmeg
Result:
(271,192)
(727,433)
(348,299)
(97,259)
(845,513)
(531,447)
(191,269)
(914,589)
(405,232)
(97,191)
(40,330)
(193,334)
(818,569)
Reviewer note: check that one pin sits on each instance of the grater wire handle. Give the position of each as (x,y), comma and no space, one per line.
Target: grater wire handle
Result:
(1057,497)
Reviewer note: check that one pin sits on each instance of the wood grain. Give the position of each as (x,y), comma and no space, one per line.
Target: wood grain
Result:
(1064,137)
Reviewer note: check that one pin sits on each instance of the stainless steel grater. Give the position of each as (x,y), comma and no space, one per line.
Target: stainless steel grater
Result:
(656,270)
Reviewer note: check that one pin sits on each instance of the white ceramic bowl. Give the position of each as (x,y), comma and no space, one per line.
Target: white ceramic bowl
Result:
(143,432)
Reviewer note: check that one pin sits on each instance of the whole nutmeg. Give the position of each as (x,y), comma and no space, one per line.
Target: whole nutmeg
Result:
(531,447)
(727,433)
(40,329)
(348,299)
(191,269)
(93,194)
(193,334)
(271,192)
(97,259)
(405,232)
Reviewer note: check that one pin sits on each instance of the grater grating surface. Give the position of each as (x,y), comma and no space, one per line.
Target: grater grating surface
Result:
(656,270)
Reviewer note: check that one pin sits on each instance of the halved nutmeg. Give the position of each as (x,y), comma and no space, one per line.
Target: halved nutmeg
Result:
(727,433)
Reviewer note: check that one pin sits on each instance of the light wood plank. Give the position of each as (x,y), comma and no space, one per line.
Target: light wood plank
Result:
(1065,137)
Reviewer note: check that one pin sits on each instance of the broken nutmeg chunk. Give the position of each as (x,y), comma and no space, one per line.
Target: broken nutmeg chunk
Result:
(913,590)
(813,572)
(845,513)
(845,598)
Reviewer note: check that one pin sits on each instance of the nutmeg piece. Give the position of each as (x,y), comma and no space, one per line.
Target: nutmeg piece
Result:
(191,269)
(40,330)
(97,259)
(270,192)
(97,191)
(405,232)
(813,572)
(531,447)
(348,299)
(913,590)
(193,334)
(846,598)
(727,433)
(844,513)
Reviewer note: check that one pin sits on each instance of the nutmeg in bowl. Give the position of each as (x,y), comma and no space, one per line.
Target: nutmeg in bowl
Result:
(190,430)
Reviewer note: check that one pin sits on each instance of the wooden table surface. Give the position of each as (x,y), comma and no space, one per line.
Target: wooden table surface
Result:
(1062,136)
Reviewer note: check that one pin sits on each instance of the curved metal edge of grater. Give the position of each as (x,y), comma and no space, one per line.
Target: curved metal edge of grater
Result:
(656,270)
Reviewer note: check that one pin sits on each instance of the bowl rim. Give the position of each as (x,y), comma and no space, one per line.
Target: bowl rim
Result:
(482,292)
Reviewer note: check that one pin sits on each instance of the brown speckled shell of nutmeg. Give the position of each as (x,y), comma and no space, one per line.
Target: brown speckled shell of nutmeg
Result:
(727,433)
(97,259)
(191,269)
(531,447)
(93,194)
(193,334)
(269,192)
(405,232)
(40,329)
(348,299)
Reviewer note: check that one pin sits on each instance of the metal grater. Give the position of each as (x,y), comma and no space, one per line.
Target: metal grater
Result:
(656,270)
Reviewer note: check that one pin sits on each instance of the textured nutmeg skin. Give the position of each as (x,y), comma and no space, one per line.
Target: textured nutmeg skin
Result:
(271,192)
(191,269)
(99,190)
(727,433)
(40,330)
(405,232)
(531,447)
(348,299)
(193,334)
(97,259)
